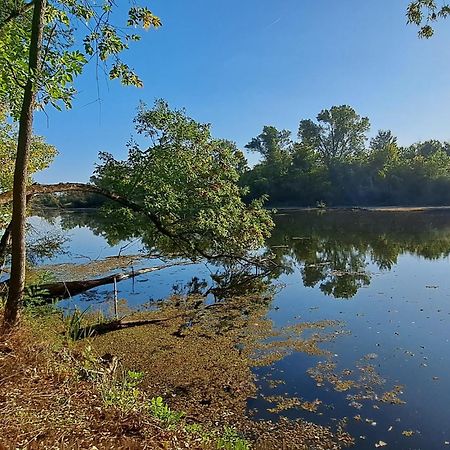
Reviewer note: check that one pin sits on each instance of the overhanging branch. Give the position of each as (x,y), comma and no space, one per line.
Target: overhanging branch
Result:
(39,189)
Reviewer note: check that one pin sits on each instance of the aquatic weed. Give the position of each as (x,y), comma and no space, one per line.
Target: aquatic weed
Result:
(73,325)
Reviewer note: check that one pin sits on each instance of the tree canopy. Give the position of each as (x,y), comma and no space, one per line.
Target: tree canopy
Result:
(188,181)
(75,33)
(338,133)
(42,154)
(44,46)
(425,13)
(333,162)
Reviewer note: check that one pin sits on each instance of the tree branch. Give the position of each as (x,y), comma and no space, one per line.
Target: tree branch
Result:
(39,189)
(17,13)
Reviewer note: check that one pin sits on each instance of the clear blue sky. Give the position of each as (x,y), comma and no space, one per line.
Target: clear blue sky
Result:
(244,64)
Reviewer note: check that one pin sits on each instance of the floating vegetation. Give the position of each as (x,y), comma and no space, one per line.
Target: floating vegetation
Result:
(284,341)
(91,269)
(201,358)
(283,404)
(408,433)
(365,385)
(275,383)
(392,396)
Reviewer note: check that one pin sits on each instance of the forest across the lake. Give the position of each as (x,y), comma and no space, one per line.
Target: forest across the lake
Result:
(333,163)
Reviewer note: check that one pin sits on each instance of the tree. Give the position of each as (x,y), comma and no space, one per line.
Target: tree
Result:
(428,148)
(424,14)
(40,59)
(275,147)
(272,144)
(187,182)
(382,140)
(41,155)
(338,134)
(179,195)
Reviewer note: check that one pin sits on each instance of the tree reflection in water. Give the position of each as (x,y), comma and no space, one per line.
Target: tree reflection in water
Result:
(335,250)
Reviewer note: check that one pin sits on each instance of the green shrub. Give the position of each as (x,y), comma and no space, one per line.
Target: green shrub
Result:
(161,411)
(73,325)
(231,440)
(124,393)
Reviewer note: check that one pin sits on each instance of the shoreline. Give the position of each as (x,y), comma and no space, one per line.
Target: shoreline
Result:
(364,208)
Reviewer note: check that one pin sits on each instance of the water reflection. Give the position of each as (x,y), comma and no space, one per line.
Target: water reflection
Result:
(388,347)
(337,251)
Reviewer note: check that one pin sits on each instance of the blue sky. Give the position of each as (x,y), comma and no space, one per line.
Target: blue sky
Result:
(240,65)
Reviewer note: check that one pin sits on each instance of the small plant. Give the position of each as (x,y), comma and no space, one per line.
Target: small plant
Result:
(231,440)
(36,301)
(161,411)
(90,367)
(198,431)
(321,204)
(125,393)
(74,328)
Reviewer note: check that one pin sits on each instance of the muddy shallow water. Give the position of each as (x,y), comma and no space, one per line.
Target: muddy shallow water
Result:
(379,284)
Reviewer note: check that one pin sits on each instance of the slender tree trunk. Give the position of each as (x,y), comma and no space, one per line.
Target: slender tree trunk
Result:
(18,250)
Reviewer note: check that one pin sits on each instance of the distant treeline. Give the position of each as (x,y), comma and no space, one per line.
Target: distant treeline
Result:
(70,200)
(332,162)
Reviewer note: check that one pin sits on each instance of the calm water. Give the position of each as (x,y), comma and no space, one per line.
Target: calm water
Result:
(383,276)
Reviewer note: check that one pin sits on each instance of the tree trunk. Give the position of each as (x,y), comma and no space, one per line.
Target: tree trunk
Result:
(18,250)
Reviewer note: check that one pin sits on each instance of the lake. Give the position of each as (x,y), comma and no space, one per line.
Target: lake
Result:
(380,283)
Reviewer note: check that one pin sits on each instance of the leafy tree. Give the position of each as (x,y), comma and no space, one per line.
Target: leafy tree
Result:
(339,133)
(44,45)
(272,144)
(382,140)
(429,147)
(187,182)
(331,164)
(41,155)
(275,147)
(424,14)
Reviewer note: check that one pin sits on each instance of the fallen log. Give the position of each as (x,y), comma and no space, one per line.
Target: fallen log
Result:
(66,289)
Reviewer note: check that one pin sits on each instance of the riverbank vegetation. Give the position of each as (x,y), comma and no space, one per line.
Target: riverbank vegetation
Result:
(333,163)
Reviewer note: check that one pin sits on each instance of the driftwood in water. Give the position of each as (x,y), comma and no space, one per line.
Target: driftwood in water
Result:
(66,289)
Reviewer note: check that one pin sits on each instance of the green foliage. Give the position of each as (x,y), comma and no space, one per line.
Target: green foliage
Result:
(338,134)
(425,13)
(42,154)
(197,430)
(187,182)
(74,325)
(124,393)
(76,31)
(36,304)
(161,411)
(332,165)
(231,440)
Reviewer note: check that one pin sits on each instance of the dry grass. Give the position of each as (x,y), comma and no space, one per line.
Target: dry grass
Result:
(44,404)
